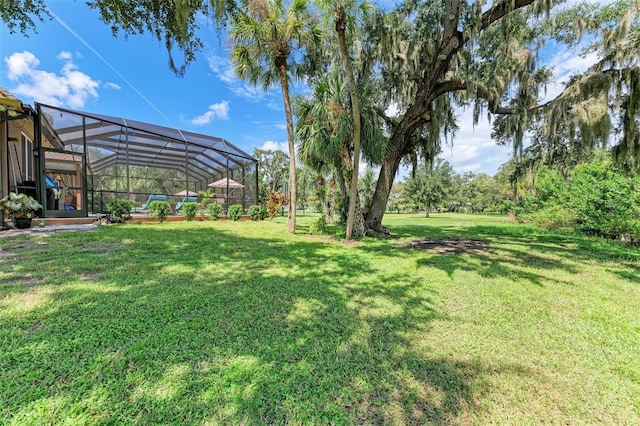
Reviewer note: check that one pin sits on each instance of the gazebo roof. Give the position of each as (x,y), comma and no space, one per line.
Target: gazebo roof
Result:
(136,143)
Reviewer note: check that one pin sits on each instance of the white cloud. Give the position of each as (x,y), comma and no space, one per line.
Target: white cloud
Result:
(473,150)
(113,86)
(252,93)
(64,56)
(274,146)
(20,63)
(219,111)
(70,88)
(223,70)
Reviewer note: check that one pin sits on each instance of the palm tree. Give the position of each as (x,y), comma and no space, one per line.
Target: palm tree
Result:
(265,37)
(325,128)
(345,13)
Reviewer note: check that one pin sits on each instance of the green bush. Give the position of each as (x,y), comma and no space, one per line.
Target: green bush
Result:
(255,212)
(214,210)
(607,203)
(263,212)
(120,210)
(596,199)
(189,210)
(235,211)
(159,209)
(318,227)
(552,217)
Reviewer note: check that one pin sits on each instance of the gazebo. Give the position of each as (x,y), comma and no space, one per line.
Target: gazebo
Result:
(99,158)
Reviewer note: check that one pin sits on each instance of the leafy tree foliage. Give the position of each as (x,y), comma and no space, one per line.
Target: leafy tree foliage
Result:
(596,104)
(606,202)
(481,193)
(325,130)
(264,35)
(429,186)
(304,182)
(272,169)
(19,15)
(596,198)
(440,188)
(345,13)
(366,186)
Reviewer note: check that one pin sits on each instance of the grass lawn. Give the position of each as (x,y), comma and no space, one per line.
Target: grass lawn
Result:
(241,323)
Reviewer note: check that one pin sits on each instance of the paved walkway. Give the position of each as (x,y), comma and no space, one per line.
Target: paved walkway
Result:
(50,229)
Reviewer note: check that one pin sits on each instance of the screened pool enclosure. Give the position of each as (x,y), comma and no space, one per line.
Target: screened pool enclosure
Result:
(93,159)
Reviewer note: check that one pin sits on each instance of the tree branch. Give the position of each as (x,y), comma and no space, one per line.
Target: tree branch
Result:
(390,121)
(501,9)
(497,12)
(458,85)
(492,105)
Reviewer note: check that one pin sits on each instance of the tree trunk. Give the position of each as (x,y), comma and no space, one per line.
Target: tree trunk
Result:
(380,198)
(359,225)
(322,196)
(341,22)
(284,82)
(331,203)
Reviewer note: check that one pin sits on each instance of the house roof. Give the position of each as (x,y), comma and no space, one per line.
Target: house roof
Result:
(125,141)
(9,103)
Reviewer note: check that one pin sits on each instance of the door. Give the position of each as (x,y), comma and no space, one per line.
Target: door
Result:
(64,180)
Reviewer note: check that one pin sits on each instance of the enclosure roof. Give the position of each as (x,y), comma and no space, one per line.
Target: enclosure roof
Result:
(142,144)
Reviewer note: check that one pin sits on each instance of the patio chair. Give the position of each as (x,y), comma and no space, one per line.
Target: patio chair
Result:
(185,200)
(149,200)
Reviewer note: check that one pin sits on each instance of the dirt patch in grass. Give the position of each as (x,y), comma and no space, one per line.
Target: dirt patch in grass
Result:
(450,245)
(90,277)
(26,281)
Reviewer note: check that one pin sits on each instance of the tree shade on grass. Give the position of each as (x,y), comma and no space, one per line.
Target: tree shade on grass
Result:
(225,322)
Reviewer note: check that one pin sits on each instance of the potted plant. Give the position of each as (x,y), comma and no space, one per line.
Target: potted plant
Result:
(21,208)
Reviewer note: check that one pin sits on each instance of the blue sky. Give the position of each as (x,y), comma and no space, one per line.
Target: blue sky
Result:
(74,61)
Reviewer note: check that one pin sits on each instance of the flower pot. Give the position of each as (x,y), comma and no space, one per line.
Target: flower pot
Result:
(22,222)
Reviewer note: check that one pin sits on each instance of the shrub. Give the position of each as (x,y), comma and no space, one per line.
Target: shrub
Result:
(318,227)
(120,210)
(235,211)
(255,212)
(213,210)
(552,217)
(597,199)
(189,210)
(607,203)
(263,213)
(159,209)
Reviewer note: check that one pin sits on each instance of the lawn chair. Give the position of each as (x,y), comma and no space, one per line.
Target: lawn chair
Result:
(185,200)
(149,200)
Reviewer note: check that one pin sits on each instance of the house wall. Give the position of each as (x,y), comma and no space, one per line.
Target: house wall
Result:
(4,183)
(14,154)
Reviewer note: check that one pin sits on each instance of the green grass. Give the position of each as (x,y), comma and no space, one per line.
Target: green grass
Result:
(239,322)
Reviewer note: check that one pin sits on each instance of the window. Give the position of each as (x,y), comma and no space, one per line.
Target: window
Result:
(27,157)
